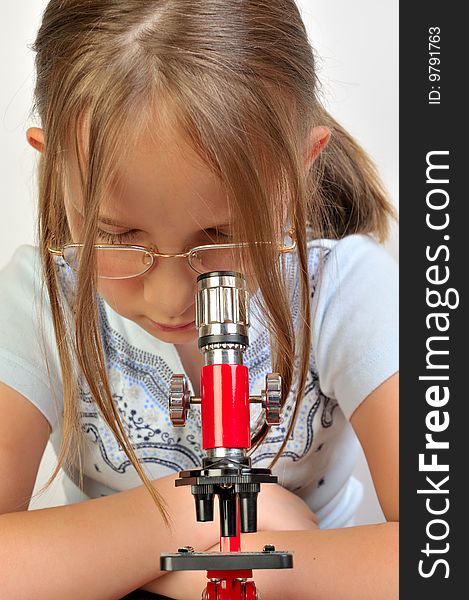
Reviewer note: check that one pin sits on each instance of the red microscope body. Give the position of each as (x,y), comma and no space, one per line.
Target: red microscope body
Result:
(222,321)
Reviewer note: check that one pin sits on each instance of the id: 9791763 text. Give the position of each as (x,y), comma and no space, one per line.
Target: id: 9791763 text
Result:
(434,77)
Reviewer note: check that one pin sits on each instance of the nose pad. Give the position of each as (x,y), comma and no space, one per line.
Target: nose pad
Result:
(170,286)
(147,259)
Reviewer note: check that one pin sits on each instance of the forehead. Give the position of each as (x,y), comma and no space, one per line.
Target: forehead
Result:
(163,178)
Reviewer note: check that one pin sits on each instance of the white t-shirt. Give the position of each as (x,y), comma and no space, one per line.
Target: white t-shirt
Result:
(354,350)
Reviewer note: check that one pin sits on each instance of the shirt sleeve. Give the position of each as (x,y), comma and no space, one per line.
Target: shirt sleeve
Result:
(27,336)
(355,323)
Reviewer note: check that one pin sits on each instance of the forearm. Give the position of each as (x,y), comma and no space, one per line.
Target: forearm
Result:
(354,563)
(99,549)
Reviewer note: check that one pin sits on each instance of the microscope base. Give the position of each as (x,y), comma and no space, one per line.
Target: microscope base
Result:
(225,561)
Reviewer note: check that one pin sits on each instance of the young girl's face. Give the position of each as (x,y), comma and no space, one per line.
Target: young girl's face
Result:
(166,199)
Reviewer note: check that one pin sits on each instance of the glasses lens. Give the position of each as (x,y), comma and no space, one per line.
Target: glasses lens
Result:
(113,263)
(72,257)
(204,260)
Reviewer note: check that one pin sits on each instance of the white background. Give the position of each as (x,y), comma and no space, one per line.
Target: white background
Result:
(357,43)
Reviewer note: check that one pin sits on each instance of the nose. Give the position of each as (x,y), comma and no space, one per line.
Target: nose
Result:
(169,289)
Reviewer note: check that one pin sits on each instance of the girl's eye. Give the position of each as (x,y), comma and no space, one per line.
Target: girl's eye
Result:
(215,236)
(219,236)
(116,238)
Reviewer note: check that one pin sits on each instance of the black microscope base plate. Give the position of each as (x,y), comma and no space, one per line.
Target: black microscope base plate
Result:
(225,561)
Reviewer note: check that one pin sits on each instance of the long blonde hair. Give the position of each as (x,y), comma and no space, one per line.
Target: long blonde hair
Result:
(239,80)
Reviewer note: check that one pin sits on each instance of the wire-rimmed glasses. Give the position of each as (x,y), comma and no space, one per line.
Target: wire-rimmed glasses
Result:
(124,261)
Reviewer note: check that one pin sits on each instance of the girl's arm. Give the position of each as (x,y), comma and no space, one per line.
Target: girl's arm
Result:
(376,423)
(98,549)
(354,563)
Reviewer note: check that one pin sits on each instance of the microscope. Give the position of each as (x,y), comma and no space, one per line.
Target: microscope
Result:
(222,321)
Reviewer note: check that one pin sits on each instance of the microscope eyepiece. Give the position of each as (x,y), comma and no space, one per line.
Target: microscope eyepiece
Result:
(222,309)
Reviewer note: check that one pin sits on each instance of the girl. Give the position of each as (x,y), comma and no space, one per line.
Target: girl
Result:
(167,125)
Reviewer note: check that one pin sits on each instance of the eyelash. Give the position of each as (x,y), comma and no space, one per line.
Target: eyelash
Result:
(219,234)
(116,238)
(122,238)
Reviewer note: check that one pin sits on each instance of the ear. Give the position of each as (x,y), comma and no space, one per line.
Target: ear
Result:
(35,137)
(319,138)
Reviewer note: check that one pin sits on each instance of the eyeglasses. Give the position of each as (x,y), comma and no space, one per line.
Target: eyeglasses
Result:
(124,261)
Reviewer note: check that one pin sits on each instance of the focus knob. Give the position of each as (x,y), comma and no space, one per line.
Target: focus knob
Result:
(272,398)
(179,400)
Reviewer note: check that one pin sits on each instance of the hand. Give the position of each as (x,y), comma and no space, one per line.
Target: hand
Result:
(278,509)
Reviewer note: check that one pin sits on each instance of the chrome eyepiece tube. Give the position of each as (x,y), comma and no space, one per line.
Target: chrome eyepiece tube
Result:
(222,314)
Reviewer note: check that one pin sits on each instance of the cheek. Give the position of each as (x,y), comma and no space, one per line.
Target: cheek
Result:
(121,295)
(75,222)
